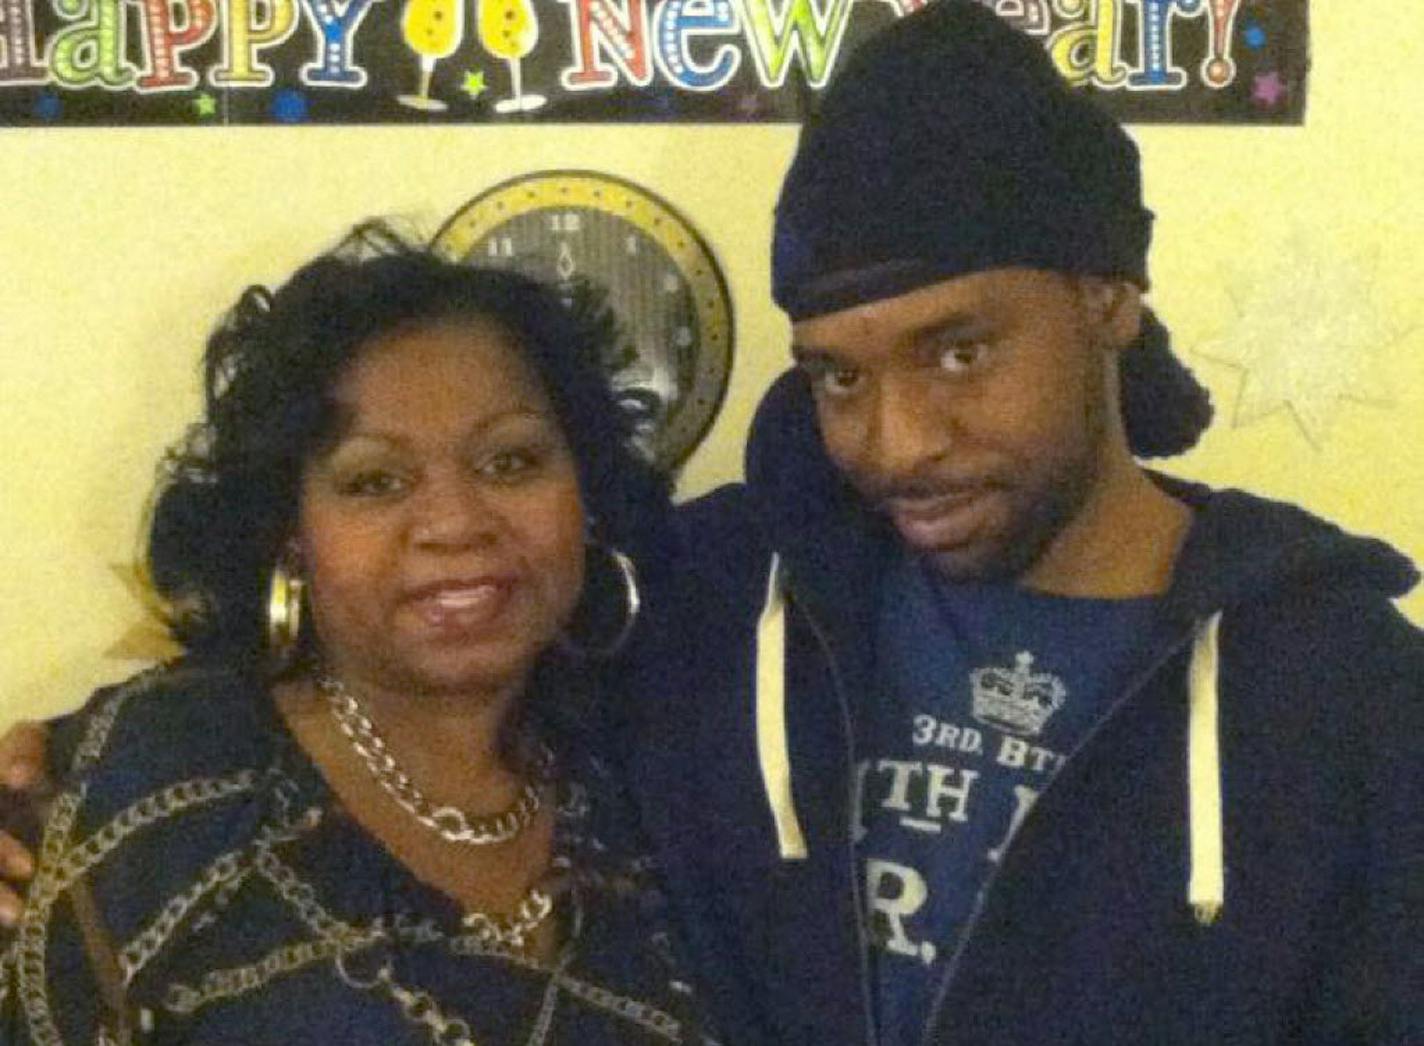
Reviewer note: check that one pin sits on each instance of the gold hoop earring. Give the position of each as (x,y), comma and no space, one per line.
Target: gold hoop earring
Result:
(284,612)
(632,604)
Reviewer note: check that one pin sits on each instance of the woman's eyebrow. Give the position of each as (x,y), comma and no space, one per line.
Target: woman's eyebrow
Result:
(349,429)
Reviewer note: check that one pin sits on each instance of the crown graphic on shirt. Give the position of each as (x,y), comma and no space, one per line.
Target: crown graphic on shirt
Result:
(1016,699)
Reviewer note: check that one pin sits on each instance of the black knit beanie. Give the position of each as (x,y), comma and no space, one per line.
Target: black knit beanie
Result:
(949,144)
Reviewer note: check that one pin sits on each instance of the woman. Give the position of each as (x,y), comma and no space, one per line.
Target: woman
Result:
(367,805)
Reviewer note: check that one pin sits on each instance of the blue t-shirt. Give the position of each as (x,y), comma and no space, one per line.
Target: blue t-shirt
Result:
(983,690)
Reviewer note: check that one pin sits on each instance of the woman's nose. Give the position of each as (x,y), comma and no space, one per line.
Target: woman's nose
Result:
(452,512)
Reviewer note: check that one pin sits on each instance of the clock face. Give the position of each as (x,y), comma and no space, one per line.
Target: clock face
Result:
(662,282)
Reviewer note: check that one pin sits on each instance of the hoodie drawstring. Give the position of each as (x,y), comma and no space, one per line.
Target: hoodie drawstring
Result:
(1206,889)
(773,750)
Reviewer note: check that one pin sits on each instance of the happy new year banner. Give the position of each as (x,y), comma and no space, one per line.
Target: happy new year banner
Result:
(137,62)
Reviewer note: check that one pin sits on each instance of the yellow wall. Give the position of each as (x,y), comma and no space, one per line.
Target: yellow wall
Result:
(120,246)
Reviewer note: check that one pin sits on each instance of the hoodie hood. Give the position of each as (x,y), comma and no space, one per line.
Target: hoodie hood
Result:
(1241,546)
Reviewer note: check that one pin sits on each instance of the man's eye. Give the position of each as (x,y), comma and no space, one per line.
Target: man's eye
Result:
(962,356)
(831,379)
(372,484)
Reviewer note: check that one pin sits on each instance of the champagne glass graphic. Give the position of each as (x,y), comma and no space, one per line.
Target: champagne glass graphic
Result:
(432,29)
(509,30)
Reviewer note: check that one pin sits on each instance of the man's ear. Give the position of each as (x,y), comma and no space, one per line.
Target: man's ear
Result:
(1114,310)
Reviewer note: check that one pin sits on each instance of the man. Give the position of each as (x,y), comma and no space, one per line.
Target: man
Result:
(974,731)
(986,734)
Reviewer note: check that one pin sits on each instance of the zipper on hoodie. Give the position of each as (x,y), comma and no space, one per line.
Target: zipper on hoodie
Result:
(872,1031)
(977,910)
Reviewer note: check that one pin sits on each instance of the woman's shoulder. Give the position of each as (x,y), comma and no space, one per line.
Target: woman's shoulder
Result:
(170,776)
(176,723)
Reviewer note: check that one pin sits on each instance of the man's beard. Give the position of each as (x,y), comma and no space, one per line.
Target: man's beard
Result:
(1040,506)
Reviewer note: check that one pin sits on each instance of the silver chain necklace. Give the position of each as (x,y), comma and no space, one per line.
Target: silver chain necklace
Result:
(511,931)
(451,824)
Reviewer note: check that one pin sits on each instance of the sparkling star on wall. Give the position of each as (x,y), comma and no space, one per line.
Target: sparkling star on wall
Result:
(205,105)
(1305,338)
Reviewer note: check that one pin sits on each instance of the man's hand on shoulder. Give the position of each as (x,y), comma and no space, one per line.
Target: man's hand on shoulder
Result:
(24,784)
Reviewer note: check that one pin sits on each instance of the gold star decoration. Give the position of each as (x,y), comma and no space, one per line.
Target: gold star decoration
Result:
(1306,336)
(205,105)
(474,84)
(147,639)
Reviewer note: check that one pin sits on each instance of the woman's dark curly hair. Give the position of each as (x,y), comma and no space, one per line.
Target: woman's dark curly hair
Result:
(227,497)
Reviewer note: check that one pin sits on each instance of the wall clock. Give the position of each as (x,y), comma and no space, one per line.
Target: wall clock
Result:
(662,281)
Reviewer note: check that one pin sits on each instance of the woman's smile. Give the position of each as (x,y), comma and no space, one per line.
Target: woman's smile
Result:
(457,607)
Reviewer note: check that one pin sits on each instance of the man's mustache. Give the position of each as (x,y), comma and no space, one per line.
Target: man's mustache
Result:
(883,494)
